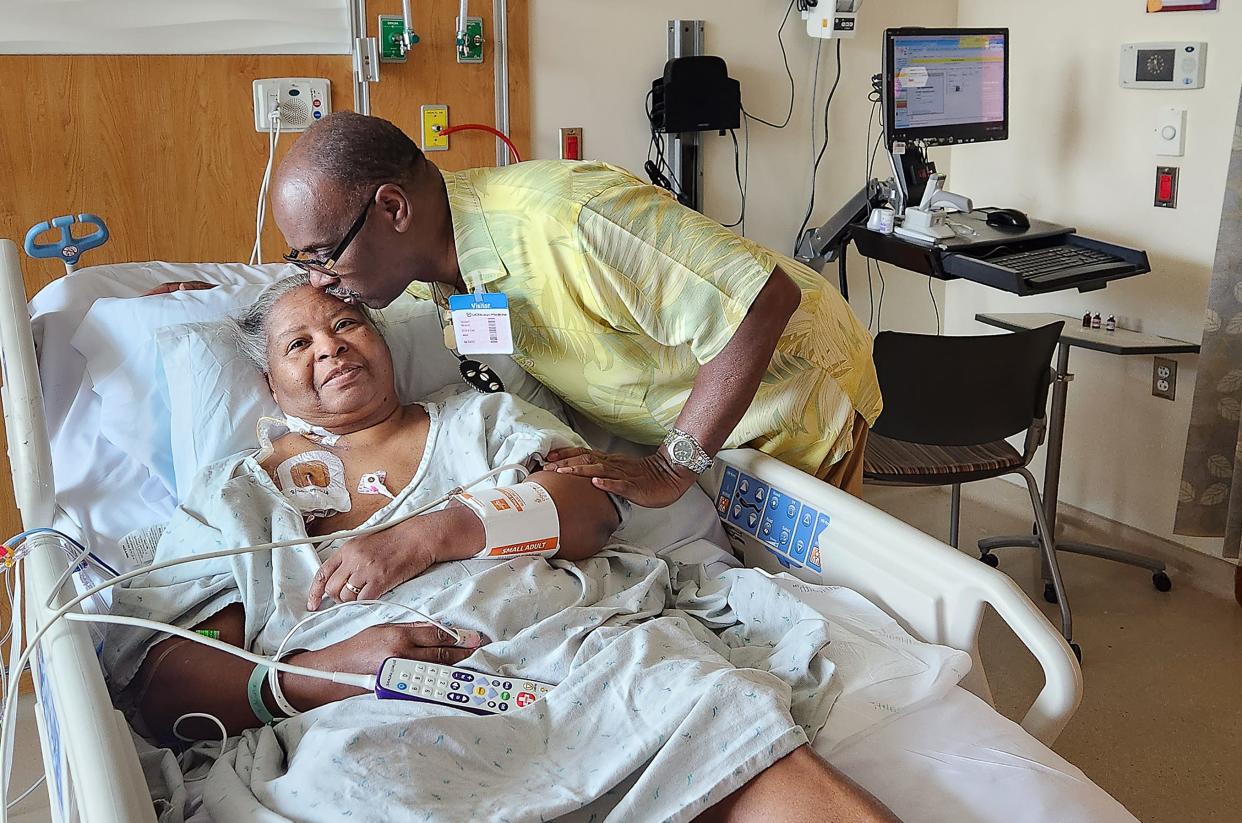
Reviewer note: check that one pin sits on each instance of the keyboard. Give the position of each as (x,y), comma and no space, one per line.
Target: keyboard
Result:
(1057,263)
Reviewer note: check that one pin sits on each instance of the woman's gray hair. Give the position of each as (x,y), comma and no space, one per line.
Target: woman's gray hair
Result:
(249,329)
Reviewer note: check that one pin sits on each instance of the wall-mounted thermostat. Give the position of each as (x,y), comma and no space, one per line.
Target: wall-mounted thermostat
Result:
(1163,65)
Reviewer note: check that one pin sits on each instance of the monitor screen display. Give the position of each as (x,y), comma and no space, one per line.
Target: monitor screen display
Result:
(946,85)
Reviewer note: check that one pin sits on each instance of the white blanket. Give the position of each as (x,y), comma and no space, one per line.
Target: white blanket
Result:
(674,688)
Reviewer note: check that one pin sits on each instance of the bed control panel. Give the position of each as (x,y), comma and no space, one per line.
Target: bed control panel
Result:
(753,510)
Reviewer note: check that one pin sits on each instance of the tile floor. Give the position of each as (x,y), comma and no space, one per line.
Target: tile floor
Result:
(1160,725)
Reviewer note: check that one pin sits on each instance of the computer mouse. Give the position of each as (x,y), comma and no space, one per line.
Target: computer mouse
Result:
(1008,219)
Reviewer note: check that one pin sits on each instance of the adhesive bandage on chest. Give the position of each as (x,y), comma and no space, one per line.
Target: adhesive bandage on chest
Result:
(314,481)
(517,520)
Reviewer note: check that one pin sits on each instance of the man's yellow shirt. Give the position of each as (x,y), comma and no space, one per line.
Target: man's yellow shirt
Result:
(618,293)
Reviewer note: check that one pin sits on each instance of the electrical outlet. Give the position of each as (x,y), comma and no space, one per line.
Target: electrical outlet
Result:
(470,42)
(1164,378)
(435,119)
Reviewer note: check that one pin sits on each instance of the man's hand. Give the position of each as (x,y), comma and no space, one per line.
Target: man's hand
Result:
(652,481)
(365,568)
(188,285)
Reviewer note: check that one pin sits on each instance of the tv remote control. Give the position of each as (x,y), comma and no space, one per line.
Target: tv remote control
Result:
(401,679)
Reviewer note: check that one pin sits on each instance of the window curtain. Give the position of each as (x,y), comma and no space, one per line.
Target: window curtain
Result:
(1210,499)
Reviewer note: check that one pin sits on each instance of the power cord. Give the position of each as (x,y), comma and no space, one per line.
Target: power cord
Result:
(656,163)
(879,308)
(260,217)
(823,149)
(935,307)
(780,38)
(741,188)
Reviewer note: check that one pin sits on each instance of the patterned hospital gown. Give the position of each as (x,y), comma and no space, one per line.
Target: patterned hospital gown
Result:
(672,693)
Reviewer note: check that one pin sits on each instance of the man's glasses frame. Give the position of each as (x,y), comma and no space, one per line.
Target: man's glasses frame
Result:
(328,264)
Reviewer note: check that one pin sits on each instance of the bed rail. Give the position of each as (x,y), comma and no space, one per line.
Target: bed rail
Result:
(93,775)
(936,592)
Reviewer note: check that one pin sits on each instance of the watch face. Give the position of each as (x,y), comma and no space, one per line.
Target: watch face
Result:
(682,451)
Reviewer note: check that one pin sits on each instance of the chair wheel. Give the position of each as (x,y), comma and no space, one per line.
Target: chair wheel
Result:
(1161,581)
(1077,651)
(990,559)
(1050,593)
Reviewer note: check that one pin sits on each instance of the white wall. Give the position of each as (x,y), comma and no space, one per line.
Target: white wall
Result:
(1080,153)
(592,63)
(174,27)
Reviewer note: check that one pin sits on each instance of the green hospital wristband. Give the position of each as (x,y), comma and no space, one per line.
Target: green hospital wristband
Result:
(254,691)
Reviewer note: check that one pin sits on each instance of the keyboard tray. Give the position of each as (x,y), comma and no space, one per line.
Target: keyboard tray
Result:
(971,265)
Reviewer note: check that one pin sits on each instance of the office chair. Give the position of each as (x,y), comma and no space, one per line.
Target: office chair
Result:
(949,404)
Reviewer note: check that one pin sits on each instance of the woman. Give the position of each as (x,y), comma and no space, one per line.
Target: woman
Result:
(649,720)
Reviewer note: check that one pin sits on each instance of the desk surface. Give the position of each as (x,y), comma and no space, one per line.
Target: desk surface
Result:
(1121,341)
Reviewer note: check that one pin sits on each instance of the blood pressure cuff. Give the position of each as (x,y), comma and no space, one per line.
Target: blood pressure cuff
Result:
(517,520)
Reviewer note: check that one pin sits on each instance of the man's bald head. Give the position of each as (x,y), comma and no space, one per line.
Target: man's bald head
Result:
(349,167)
(353,154)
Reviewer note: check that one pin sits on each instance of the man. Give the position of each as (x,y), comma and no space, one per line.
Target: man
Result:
(647,317)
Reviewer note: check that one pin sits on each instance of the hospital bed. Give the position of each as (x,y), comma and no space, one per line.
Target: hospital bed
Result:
(954,758)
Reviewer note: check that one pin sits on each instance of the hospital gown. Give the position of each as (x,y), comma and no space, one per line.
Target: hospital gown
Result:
(674,689)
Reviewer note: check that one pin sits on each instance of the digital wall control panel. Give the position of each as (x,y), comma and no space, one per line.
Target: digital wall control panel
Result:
(1163,65)
(787,527)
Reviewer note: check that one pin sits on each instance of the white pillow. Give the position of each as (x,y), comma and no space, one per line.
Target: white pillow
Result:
(117,338)
(217,397)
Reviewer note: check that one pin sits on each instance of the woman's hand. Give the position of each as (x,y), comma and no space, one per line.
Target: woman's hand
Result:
(366,651)
(368,567)
(652,481)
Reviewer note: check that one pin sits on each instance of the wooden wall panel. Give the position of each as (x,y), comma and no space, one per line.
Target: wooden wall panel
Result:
(164,147)
(432,75)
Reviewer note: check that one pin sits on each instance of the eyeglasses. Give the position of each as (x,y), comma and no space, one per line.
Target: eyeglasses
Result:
(326,265)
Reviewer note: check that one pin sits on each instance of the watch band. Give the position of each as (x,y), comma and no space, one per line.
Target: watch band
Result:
(685,450)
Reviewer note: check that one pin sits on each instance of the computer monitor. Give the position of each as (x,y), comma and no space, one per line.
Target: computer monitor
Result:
(946,86)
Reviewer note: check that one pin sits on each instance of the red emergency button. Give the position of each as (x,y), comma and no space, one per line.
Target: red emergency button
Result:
(315,103)
(1166,187)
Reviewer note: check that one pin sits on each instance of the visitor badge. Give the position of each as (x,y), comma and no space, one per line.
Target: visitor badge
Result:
(481,323)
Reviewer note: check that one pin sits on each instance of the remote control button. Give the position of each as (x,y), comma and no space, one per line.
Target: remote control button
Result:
(405,675)
(491,704)
(463,676)
(508,685)
(525,698)
(454,686)
(402,686)
(528,686)
(439,693)
(459,698)
(504,707)
(480,691)
(495,682)
(504,695)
